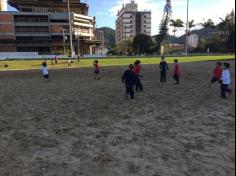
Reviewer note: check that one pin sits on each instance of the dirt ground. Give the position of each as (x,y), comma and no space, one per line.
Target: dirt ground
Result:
(76,126)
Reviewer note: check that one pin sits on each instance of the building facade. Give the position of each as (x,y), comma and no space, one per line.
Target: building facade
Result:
(193,40)
(45,29)
(131,22)
(52,6)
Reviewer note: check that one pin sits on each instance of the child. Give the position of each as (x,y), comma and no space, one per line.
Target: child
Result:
(176,72)
(130,79)
(225,80)
(163,67)
(56,60)
(217,74)
(137,70)
(97,69)
(44,70)
(69,63)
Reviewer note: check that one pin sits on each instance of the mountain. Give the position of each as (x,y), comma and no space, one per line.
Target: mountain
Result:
(202,33)
(109,36)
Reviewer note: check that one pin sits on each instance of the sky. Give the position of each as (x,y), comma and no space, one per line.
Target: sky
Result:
(199,10)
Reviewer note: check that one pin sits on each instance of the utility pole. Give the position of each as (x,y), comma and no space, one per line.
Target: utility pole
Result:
(64,40)
(187,29)
(78,46)
(71,39)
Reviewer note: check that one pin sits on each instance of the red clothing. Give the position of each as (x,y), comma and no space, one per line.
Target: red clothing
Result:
(137,69)
(97,68)
(177,70)
(218,72)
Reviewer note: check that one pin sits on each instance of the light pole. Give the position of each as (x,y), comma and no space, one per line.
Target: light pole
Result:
(71,39)
(64,39)
(187,29)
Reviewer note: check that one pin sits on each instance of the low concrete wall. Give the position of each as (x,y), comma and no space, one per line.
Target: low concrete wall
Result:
(26,56)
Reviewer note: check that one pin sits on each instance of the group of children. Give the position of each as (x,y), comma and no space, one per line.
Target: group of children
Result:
(222,76)
(132,76)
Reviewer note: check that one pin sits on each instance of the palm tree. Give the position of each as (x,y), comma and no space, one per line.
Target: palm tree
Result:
(227,24)
(176,24)
(209,24)
(191,25)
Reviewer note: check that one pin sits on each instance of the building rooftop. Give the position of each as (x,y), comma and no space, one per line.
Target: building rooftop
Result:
(49,6)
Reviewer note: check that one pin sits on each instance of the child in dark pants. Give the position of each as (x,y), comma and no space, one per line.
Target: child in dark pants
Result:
(163,67)
(45,72)
(176,72)
(96,70)
(130,79)
(225,81)
(217,74)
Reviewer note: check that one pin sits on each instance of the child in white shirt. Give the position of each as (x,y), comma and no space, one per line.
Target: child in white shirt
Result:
(44,70)
(225,81)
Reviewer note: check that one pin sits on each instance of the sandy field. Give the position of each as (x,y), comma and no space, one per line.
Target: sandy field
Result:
(76,126)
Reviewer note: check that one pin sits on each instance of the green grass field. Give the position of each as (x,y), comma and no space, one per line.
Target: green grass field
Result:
(35,64)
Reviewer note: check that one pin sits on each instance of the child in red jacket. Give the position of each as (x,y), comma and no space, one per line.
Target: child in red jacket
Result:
(176,72)
(217,74)
(137,71)
(96,70)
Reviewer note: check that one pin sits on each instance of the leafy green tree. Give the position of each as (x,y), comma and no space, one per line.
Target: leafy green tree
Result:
(142,44)
(176,24)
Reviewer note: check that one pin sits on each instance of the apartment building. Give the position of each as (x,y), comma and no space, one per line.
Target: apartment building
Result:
(131,22)
(37,28)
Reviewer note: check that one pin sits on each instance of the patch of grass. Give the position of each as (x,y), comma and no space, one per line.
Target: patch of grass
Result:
(36,64)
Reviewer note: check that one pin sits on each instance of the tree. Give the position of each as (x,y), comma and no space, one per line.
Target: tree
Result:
(191,25)
(176,24)
(142,44)
(163,28)
(226,25)
(209,24)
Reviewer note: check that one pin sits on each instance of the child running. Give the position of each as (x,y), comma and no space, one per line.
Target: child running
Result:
(225,80)
(176,71)
(163,67)
(217,74)
(130,79)
(44,70)
(97,70)
(137,71)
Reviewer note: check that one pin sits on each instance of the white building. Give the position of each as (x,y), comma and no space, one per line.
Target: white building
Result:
(193,40)
(131,22)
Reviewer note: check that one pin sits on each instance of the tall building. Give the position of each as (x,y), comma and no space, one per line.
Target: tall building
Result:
(43,26)
(131,22)
(3,5)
